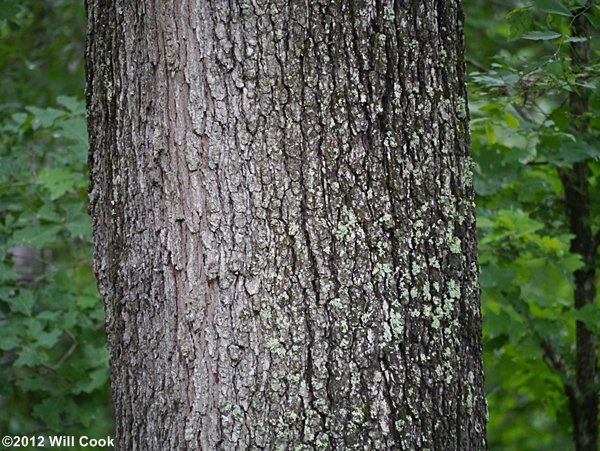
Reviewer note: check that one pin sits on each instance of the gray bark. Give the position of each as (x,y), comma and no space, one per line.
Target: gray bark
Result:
(284,224)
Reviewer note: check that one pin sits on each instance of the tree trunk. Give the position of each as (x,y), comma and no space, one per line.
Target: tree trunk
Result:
(583,399)
(284,224)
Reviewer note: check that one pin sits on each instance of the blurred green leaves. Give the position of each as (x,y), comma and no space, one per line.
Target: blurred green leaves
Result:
(524,137)
(53,365)
(54,345)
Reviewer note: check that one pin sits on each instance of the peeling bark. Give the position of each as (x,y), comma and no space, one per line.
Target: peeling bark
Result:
(284,224)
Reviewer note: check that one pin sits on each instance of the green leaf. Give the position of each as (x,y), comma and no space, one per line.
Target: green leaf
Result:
(87,302)
(571,151)
(492,107)
(36,384)
(72,104)
(34,327)
(94,357)
(48,316)
(47,212)
(561,118)
(589,315)
(576,39)
(541,35)
(490,133)
(80,227)
(511,120)
(571,263)
(49,411)
(23,302)
(595,21)
(48,339)
(495,276)
(552,7)
(484,222)
(514,223)
(520,21)
(7,273)
(44,117)
(83,414)
(29,357)
(57,181)
(74,128)
(10,337)
(95,380)
(496,166)
(494,79)
(37,236)
(8,9)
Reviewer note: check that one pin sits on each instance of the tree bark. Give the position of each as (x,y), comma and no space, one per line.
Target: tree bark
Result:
(284,224)
(583,400)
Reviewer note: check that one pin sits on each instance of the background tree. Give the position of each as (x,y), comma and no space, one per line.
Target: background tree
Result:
(284,224)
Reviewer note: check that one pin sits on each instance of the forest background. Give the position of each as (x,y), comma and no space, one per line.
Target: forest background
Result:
(527,137)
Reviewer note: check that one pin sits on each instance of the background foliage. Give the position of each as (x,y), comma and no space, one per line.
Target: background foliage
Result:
(53,369)
(525,134)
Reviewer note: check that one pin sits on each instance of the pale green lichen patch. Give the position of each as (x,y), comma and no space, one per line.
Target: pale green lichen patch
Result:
(453,289)
(390,141)
(388,13)
(455,245)
(382,270)
(426,291)
(414,292)
(336,303)
(293,229)
(397,323)
(323,442)
(469,400)
(275,346)
(461,108)
(348,226)
(415,140)
(416,269)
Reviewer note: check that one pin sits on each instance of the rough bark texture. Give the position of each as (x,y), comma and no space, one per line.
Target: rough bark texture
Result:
(284,224)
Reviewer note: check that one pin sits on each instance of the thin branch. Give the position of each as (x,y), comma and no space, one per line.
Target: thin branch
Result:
(66,355)
(554,359)
(596,241)
(477,65)
(556,362)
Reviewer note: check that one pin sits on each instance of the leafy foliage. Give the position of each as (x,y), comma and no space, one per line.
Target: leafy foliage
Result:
(53,369)
(525,135)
